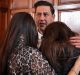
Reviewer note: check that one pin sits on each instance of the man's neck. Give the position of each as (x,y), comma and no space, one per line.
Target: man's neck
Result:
(40,32)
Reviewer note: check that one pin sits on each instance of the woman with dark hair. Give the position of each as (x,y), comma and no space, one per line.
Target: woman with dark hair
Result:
(57,49)
(20,55)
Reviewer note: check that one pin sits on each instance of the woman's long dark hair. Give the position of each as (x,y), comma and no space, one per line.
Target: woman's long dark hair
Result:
(21,23)
(55,40)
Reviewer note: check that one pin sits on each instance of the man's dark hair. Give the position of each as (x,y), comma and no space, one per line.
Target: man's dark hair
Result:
(44,3)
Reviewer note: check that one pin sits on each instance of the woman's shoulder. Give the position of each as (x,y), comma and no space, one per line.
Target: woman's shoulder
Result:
(34,52)
(38,63)
(32,59)
(76,52)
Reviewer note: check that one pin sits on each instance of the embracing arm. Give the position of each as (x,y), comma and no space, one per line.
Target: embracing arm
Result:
(76,68)
(75,41)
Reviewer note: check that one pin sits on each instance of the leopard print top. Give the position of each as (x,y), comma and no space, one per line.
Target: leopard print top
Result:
(28,61)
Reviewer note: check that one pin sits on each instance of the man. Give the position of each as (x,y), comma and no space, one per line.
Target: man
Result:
(44,15)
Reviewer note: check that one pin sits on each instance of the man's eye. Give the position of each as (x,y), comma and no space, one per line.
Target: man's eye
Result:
(38,14)
(45,14)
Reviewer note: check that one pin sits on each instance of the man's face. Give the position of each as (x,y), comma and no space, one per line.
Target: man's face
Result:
(43,17)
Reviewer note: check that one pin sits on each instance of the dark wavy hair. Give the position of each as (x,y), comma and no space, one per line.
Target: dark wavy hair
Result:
(55,40)
(21,23)
(44,3)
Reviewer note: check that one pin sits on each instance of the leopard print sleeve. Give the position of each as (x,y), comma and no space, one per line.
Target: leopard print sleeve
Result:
(28,61)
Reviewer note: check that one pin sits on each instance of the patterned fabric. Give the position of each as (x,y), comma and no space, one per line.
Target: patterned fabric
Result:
(28,61)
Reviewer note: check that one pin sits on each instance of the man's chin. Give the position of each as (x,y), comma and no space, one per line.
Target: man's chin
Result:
(42,29)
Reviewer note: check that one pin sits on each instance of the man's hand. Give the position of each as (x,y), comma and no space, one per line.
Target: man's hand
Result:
(75,41)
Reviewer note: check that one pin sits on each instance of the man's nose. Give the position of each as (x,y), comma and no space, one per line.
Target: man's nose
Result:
(42,17)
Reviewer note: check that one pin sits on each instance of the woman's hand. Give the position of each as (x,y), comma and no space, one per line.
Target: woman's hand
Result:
(76,68)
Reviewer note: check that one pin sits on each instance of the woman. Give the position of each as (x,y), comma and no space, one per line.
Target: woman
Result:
(20,54)
(57,49)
